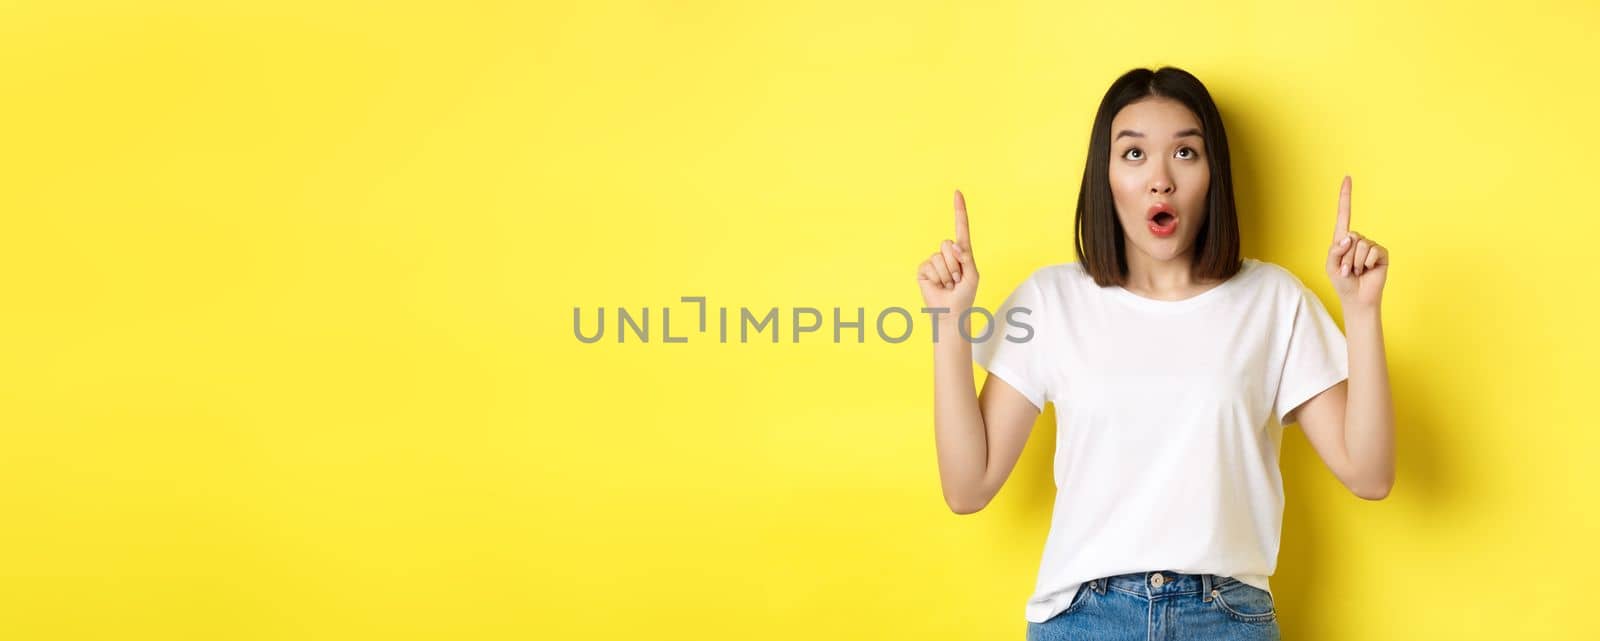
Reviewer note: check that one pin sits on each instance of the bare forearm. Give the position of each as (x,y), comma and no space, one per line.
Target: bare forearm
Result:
(959,432)
(1369,408)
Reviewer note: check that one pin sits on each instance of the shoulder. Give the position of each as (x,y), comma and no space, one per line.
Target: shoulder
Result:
(1277,283)
(1049,286)
(1061,275)
(1274,278)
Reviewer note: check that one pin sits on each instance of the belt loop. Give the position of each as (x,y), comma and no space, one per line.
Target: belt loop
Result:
(1100,585)
(1205,587)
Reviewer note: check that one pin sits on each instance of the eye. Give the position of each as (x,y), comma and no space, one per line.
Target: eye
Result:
(1192,152)
(1132,150)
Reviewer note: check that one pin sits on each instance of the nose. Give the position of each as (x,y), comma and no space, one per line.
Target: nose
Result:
(1161,184)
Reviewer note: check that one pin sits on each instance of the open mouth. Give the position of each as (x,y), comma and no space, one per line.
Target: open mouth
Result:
(1163,220)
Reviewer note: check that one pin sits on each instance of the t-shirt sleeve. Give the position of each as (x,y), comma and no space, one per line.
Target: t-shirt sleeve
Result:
(1316,357)
(1012,349)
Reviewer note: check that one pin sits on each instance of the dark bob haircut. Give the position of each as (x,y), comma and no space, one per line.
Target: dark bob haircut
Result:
(1099,235)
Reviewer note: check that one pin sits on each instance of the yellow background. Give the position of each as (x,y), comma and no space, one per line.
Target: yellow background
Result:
(288,291)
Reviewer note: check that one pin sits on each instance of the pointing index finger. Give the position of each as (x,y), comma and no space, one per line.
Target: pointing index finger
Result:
(962,239)
(1342,225)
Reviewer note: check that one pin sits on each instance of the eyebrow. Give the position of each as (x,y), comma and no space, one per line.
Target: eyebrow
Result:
(1186,132)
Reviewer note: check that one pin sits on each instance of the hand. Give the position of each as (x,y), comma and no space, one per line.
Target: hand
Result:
(1356,265)
(949,278)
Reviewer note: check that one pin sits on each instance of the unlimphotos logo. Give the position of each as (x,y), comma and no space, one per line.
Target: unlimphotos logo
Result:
(892,324)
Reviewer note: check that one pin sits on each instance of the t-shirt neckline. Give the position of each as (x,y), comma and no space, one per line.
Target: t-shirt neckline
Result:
(1186,303)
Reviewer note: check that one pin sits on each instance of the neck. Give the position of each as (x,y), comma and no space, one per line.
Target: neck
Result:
(1169,279)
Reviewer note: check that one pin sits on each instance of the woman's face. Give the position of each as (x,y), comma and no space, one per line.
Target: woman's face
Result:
(1158,157)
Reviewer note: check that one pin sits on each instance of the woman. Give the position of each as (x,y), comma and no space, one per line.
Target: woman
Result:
(1174,365)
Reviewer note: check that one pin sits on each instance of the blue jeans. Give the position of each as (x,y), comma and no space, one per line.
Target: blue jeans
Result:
(1163,606)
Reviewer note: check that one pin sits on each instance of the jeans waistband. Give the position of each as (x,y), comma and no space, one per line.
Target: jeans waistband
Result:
(1163,583)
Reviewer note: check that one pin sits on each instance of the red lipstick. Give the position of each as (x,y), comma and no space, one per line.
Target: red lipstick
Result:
(1162,220)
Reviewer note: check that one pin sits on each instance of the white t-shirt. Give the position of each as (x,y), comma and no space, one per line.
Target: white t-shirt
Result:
(1169,418)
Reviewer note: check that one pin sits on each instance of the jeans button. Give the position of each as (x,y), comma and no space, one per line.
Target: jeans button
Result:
(1158,580)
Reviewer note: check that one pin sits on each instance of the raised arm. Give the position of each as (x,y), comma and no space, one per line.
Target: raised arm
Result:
(1351,425)
(978,437)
